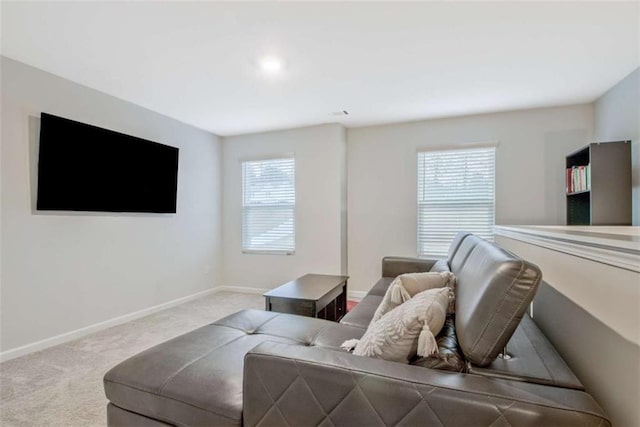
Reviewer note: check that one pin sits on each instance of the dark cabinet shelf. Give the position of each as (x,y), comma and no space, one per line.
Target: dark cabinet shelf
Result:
(578,192)
(607,201)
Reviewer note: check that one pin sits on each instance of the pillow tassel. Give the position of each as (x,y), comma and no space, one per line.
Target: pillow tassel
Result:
(427,344)
(349,345)
(399,294)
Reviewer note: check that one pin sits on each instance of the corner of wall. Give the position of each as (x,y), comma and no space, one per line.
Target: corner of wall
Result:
(617,117)
(344,230)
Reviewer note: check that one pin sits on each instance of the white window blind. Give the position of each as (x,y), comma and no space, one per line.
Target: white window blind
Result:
(268,206)
(456,192)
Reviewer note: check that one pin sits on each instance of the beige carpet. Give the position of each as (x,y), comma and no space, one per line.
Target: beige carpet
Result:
(62,386)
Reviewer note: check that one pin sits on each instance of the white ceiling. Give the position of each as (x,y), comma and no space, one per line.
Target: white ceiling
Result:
(383,62)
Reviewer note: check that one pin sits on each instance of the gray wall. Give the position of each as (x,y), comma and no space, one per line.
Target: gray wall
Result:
(61,272)
(617,117)
(610,376)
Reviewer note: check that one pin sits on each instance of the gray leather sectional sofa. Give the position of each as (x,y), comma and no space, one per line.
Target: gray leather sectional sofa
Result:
(257,368)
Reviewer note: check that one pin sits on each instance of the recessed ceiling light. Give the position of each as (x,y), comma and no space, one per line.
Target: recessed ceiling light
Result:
(271,65)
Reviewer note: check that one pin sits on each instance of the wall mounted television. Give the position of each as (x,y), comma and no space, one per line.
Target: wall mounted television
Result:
(87,168)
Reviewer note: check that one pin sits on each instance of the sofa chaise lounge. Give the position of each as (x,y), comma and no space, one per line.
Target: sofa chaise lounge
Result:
(258,368)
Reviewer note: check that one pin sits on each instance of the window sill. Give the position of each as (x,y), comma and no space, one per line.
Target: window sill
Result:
(267,252)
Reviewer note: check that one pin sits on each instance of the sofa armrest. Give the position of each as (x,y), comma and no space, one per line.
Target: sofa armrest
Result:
(295,385)
(393,266)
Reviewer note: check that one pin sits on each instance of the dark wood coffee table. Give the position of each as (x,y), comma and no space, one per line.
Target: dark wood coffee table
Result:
(312,295)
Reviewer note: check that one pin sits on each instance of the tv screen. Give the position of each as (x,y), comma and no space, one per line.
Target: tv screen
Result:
(87,168)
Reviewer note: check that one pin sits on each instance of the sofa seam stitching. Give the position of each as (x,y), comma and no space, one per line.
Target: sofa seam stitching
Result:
(531,290)
(535,349)
(501,334)
(503,413)
(259,326)
(500,303)
(357,386)
(562,408)
(266,391)
(326,414)
(422,400)
(313,340)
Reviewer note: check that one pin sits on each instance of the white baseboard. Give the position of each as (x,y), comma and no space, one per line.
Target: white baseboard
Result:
(242,289)
(82,332)
(356,295)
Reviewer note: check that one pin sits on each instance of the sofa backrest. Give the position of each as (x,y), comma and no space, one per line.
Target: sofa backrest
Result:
(459,258)
(455,244)
(493,290)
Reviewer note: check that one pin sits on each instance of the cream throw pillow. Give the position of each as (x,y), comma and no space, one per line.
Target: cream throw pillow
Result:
(407,329)
(407,285)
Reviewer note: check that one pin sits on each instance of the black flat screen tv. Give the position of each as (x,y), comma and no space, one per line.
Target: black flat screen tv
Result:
(87,168)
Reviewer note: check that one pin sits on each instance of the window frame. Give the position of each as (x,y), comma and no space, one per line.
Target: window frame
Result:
(466,147)
(254,251)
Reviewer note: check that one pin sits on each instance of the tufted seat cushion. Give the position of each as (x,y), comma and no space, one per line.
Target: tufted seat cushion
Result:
(196,378)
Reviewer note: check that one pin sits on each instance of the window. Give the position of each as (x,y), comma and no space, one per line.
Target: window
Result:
(456,191)
(268,206)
